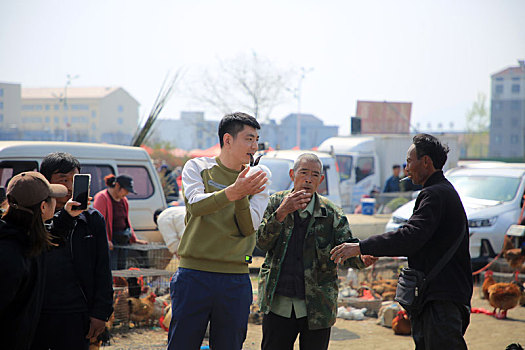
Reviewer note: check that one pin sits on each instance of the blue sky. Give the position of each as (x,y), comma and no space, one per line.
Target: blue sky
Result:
(436,54)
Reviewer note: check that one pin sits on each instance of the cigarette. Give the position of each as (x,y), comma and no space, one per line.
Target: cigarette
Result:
(406,178)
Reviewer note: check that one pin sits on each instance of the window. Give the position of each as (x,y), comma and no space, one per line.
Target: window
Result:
(516,78)
(514,122)
(120,121)
(515,88)
(142,183)
(497,139)
(79,107)
(98,172)
(10,168)
(344,163)
(28,107)
(499,79)
(47,107)
(514,139)
(498,106)
(120,109)
(1,118)
(93,127)
(364,167)
(93,114)
(514,105)
(64,119)
(57,107)
(47,119)
(57,120)
(496,122)
(499,89)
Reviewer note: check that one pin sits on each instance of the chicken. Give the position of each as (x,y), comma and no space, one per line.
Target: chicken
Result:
(503,297)
(489,281)
(513,255)
(401,323)
(141,310)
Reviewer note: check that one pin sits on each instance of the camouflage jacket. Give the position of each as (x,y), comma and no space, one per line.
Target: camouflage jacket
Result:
(327,228)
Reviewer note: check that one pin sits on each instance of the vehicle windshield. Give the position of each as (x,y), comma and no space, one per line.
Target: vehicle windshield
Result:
(280,173)
(496,188)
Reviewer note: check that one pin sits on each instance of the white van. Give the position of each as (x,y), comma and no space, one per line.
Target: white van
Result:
(98,160)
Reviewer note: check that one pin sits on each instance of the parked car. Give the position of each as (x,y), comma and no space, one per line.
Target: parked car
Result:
(492,195)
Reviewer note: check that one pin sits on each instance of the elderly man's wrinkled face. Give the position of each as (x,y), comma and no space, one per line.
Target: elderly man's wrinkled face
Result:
(308,176)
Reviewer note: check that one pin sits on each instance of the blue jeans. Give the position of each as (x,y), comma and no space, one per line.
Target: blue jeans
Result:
(199,297)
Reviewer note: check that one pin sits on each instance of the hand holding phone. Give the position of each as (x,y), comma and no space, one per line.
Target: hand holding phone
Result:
(81,184)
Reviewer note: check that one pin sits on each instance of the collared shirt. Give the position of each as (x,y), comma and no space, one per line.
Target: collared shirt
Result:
(282,305)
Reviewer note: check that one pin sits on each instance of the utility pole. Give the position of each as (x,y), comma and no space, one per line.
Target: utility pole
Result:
(65,106)
(297,95)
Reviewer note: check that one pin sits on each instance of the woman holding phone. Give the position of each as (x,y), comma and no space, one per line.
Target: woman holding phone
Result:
(114,206)
(23,237)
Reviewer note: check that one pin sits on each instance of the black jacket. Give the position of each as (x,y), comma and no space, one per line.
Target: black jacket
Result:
(438,219)
(21,290)
(90,252)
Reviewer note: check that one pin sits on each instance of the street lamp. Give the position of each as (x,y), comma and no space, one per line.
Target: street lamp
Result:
(297,94)
(68,82)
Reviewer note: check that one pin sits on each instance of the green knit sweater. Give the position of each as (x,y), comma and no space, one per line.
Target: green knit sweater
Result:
(219,234)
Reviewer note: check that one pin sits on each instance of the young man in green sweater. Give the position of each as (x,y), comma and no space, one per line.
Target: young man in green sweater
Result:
(224,207)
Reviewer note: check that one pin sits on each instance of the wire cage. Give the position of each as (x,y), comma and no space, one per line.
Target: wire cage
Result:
(153,255)
(140,297)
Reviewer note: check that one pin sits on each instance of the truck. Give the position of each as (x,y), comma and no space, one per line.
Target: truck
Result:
(365,161)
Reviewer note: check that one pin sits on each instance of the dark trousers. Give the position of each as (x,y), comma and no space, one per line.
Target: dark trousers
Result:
(199,297)
(118,258)
(441,325)
(62,331)
(280,333)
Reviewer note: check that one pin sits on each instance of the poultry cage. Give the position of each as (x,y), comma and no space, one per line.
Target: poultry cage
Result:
(153,255)
(140,296)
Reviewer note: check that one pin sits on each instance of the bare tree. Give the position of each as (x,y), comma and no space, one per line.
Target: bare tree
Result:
(250,83)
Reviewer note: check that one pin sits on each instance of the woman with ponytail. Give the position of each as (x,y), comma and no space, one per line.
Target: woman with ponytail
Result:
(114,206)
(23,237)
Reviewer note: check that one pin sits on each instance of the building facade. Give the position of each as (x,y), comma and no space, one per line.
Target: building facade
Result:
(10,105)
(384,117)
(98,114)
(507,113)
(189,132)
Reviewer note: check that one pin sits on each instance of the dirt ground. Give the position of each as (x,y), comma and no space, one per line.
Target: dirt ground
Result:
(484,333)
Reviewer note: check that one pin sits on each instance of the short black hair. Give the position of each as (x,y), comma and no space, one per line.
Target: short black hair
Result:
(428,145)
(58,162)
(396,166)
(235,122)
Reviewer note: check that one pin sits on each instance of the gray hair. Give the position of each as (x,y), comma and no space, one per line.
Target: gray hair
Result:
(307,157)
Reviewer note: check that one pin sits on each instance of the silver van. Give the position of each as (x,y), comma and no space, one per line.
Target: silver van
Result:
(98,160)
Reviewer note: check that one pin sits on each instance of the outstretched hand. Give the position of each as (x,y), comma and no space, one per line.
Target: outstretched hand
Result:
(246,185)
(344,251)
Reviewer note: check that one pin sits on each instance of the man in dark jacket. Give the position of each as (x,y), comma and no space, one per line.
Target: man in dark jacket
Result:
(438,220)
(78,297)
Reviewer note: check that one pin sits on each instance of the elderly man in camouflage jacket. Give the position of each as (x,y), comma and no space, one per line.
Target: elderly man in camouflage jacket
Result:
(298,281)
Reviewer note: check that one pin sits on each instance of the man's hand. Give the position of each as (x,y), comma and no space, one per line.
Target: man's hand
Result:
(292,202)
(141,241)
(96,327)
(110,245)
(68,207)
(246,185)
(368,259)
(344,251)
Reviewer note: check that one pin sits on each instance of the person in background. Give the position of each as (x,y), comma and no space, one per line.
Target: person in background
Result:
(392,183)
(78,297)
(169,183)
(23,239)
(298,282)
(437,222)
(114,206)
(408,185)
(225,202)
(171,225)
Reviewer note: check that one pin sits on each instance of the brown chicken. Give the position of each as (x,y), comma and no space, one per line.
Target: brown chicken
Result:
(401,323)
(503,297)
(489,281)
(513,255)
(141,310)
